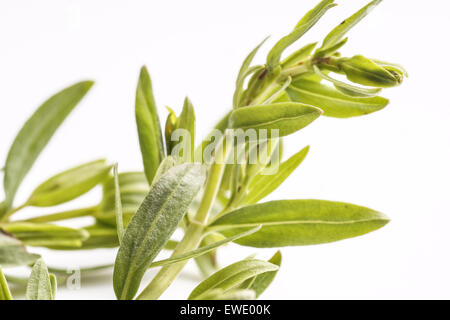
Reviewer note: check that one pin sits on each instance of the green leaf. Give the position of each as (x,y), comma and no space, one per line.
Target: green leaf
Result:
(54,285)
(244,72)
(339,32)
(46,235)
(168,163)
(39,285)
(36,133)
(202,250)
(320,53)
(306,23)
(118,206)
(364,71)
(263,281)
(149,129)
(13,253)
(133,189)
(236,294)
(287,117)
(263,185)
(346,88)
(299,222)
(69,184)
(187,122)
(5,294)
(171,125)
(232,276)
(298,56)
(332,102)
(153,224)
(100,236)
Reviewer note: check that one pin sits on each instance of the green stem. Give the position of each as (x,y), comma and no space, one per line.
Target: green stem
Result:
(194,232)
(12,211)
(71,214)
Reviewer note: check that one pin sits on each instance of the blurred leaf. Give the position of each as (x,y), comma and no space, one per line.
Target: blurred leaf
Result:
(332,102)
(299,222)
(36,133)
(39,285)
(287,117)
(232,276)
(46,235)
(133,189)
(339,32)
(171,125)
(153,224)
(69,184)
(5,294)
(330,50)
(187,122)
(118,206)
(263,185)
(306,23)
(219,294)
(13,253)
(202,250)
(149,129)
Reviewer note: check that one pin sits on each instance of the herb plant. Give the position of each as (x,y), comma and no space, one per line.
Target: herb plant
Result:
(215,200)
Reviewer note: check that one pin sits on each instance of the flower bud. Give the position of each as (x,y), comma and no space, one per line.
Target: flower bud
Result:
(364,71)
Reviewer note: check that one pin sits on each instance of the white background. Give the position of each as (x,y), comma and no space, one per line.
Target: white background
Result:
(395,161)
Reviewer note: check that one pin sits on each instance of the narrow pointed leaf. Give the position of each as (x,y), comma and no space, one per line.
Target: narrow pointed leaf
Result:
(39,285)
(244,72)
(332,102)
(299,222)
(69,184)
(263,281)
(306,23)
(287,117)
(148,125)
(118,206)
(339,32)
(5,293)
(54,285)
(153,224)
(133,189)
(298,56)
(13,253)
(201,251)
(171,125)
(236,294)
(47,235)
(263,185)
(187,122)
(232,276)
(36,133)
(346,88)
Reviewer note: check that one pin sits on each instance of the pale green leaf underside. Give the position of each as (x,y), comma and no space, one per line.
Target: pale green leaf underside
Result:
(153,224)
(39,285)
(13,253)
